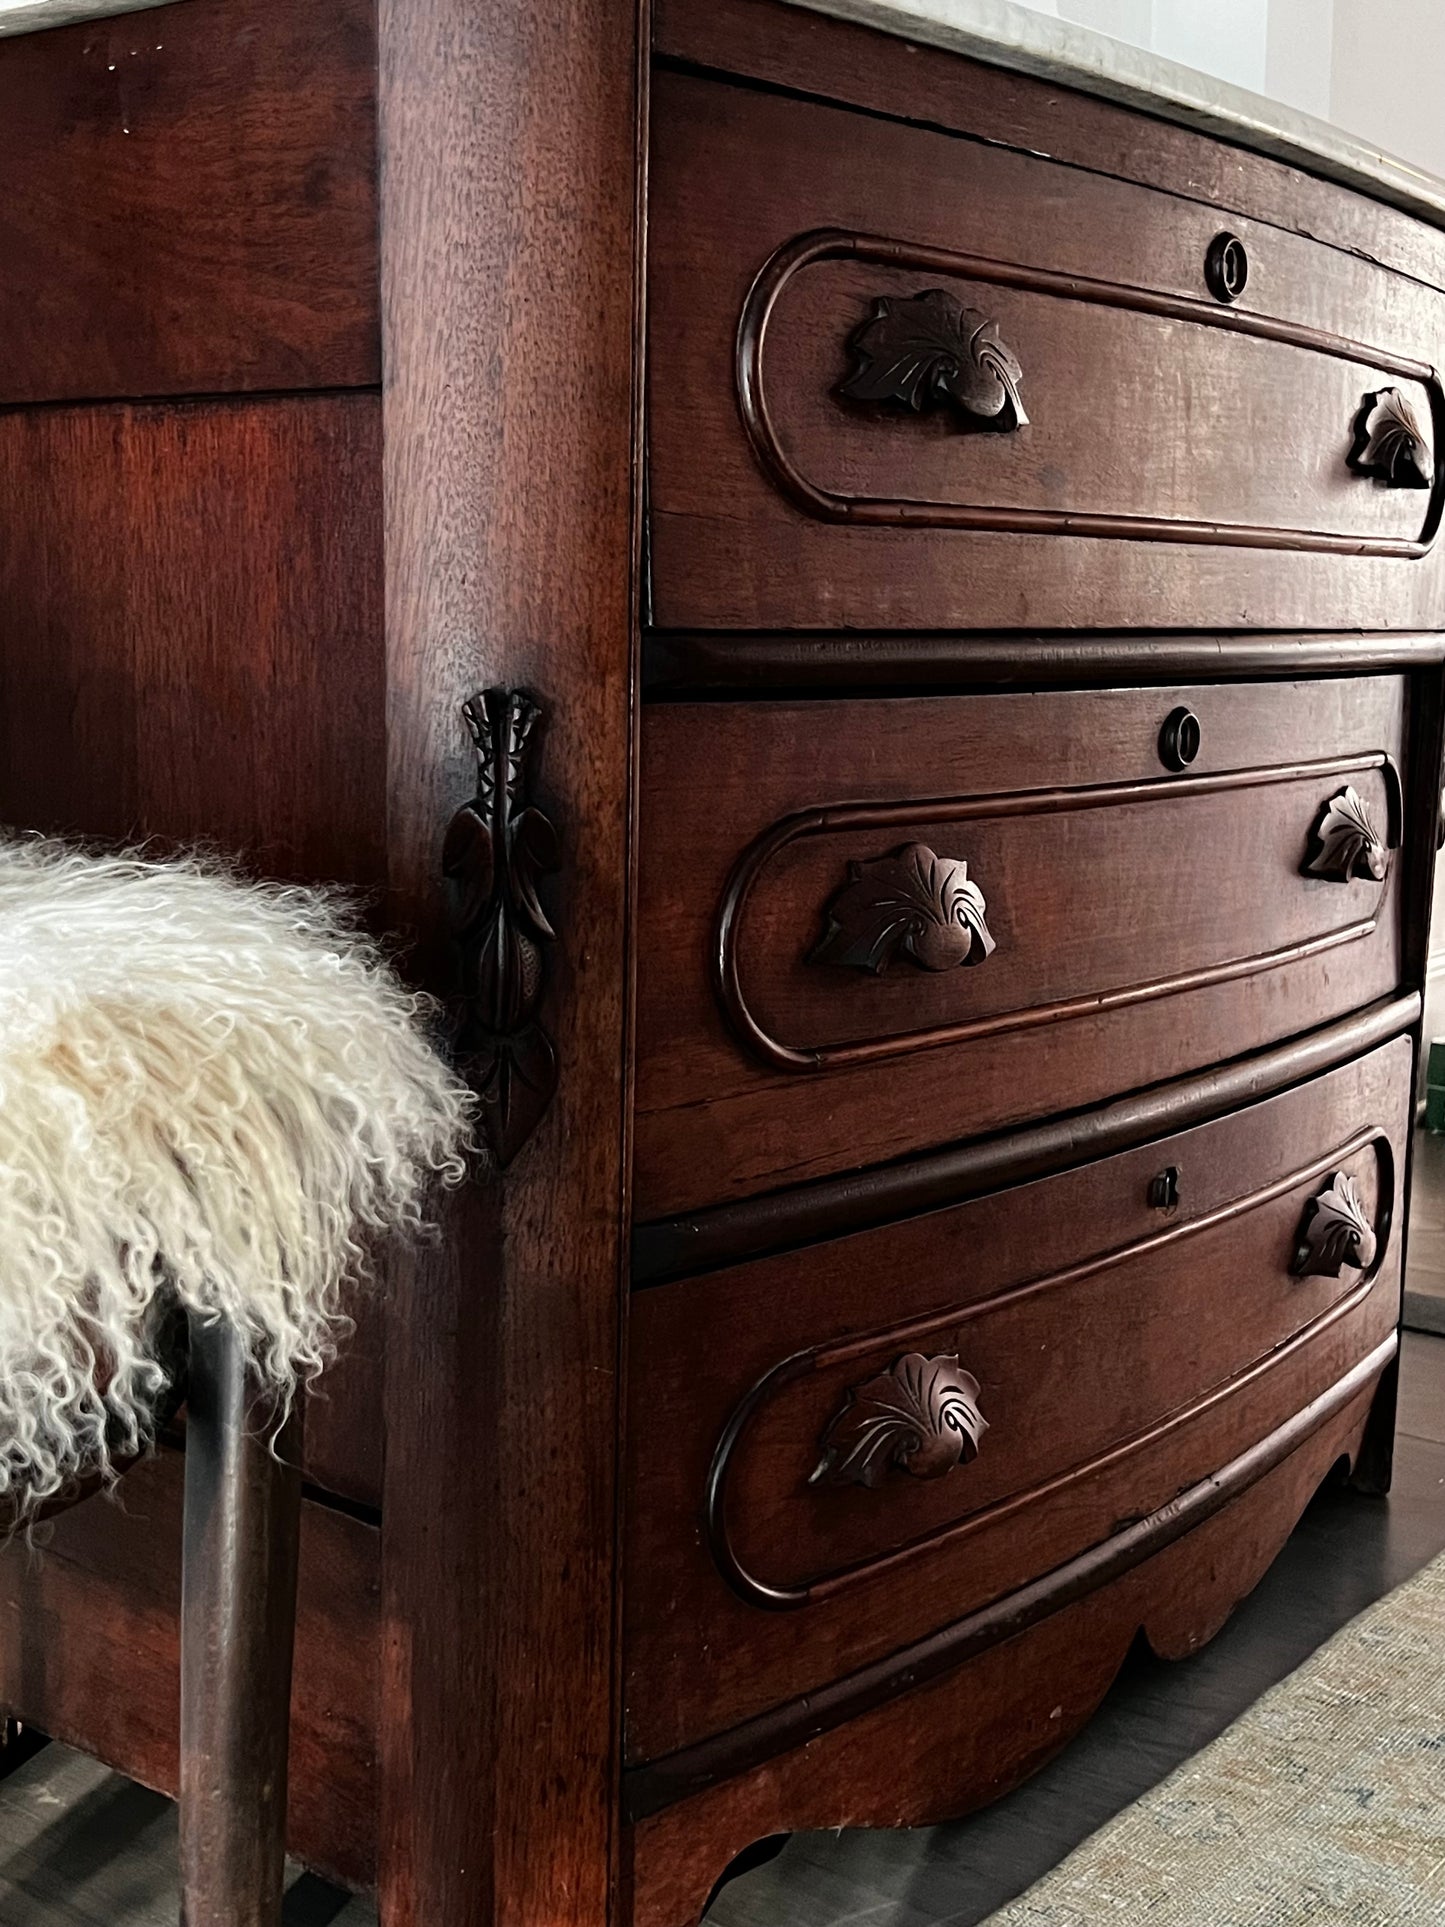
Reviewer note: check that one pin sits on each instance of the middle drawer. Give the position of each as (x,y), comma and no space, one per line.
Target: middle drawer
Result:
(871,927)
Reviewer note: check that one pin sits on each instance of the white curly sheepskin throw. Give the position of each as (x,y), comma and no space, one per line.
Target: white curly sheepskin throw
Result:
(208,1086)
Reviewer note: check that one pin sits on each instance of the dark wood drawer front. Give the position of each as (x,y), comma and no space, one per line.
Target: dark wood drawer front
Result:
(835,1450)
(899,379)
(930,917)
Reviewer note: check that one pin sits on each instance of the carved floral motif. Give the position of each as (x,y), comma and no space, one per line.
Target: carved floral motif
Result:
(911,901)
(1391,443)
(1349,845)
(1334,1231)
(929,350)
(921,1417)
(497,848)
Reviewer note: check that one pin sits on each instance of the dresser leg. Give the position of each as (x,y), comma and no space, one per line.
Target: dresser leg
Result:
(1375,1461)
(238,1617)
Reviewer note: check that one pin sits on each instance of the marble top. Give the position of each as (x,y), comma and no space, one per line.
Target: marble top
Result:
(1051,49)
(29,16)
(1071,56)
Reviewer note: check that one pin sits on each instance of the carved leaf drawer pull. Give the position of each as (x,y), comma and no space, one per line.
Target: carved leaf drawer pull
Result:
(928,351)
(1334,1232)
(921,1417)
(911,901)
(1348,844)
(1391,444)
(497,848)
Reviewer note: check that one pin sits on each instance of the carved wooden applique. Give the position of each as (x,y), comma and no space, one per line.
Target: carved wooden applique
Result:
(921,1417)
(1391,443)
(929,350)
(1334,1232)
(912,901)
(497,848)
(1346,842)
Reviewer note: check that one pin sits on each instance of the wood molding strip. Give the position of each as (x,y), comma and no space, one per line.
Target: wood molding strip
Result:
(834,819)
(648,1789)
(917,1334)
(726,1234)
(679,665)
(838,244)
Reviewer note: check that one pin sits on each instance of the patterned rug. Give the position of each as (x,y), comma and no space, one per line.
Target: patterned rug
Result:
(1324,1806)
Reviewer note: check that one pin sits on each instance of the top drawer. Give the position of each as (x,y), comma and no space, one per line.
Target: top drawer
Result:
(904,380)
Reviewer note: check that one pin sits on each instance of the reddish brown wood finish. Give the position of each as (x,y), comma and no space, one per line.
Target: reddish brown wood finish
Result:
(208,627)
(1204,436)
(971,1735)
(734,661)
(510,240)
(1102,1330)
(1082,901)
(846,450)
(796,49)
(88,1652)
(190,202)
(855,1201)
(191,648)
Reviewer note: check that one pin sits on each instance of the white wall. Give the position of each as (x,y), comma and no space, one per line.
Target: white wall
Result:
(1388,80)
(1375,67)
(1299,54)
(1227,38)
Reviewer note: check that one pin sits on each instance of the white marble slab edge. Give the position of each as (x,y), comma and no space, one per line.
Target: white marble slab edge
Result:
(1071,56)
(30,16)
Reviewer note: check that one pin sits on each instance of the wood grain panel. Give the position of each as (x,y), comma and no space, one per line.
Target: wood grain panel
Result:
(758,1066)
(815,55)
(970,1736)
(723,661)
(1184,425)
(191,650)
(89,1654)
(190,202)
(511,243)
(1165,1325)
(1266,467)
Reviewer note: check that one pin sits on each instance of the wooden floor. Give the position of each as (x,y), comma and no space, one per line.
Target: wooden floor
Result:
(80,1847)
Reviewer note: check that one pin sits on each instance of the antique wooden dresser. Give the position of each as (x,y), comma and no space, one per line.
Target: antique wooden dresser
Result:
(875,622)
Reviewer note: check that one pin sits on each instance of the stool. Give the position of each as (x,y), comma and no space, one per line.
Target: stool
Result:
(215,1098)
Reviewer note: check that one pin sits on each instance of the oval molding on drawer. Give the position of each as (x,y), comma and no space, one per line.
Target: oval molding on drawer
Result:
(835,819)
(908,257)
(875,1350)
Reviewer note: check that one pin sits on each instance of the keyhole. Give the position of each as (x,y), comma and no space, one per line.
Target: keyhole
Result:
(1226,267)
(1164,1189)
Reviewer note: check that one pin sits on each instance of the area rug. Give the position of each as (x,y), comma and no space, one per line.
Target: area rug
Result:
(1324,1806)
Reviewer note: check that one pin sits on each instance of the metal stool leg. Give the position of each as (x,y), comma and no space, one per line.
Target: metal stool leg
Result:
(238,1620)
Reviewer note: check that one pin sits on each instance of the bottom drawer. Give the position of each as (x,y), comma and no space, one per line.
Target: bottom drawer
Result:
(837,1450)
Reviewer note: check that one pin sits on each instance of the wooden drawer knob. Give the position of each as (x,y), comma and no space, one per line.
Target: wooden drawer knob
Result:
(1345,843)
(921,1417)
(1390,443)
(930,351)
(1334,1232)
(913,902)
